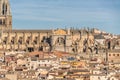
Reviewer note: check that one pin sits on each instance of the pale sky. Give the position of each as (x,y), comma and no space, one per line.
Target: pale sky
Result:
(53,14)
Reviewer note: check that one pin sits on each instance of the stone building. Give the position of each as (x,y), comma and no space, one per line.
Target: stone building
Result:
(68,40)
(114,56)
(5,15)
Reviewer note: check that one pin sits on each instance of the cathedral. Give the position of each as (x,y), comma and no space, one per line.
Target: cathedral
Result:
(67,40)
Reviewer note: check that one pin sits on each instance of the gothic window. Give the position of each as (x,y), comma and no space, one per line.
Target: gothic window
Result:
(35,40)
(4,9)
(20,40)
(5,40)
(109,45)
(28,40)
(13,40)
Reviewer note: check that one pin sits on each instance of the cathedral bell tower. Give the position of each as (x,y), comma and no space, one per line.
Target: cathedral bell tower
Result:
(5,15)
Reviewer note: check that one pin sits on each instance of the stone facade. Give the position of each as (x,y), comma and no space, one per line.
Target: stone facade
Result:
(68,40)
(114,56)
(45,40)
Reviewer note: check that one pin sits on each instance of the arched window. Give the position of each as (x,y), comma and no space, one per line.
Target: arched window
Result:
(20,40)
(35,40)
(4,9)
(13,40)
(60,40)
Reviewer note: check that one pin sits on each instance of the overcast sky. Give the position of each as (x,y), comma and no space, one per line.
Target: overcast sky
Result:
(49,14)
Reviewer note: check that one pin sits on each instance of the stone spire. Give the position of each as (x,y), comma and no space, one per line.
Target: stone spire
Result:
(5,7)
(5,15)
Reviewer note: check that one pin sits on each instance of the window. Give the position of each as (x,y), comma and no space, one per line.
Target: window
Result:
(20,40)
(60,40)
(109,54)
(27,41)
(35,41)
(4,9)
(117,54)
(113,54)
(5,40)
(13,40)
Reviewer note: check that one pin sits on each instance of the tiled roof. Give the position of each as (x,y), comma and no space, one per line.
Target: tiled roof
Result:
(60,54)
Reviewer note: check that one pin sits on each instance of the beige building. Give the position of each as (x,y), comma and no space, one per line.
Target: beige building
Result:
(68,40)
(114,56)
